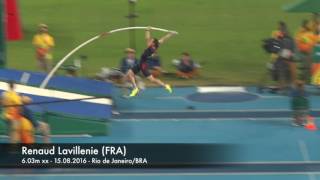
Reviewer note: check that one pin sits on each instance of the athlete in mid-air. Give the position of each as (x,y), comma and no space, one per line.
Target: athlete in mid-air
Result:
(152,46)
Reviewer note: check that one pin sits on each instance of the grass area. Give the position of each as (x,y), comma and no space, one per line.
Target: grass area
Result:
(223,35)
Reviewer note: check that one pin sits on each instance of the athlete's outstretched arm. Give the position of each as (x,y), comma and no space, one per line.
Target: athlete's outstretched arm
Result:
(167,36)
(148,35)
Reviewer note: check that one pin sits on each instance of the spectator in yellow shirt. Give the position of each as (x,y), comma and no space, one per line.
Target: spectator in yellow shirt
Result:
(20,128)
(305,41)
(43,43)
(305,38)
(11,112)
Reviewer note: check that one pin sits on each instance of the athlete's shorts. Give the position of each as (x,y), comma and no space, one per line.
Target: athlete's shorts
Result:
(143,67)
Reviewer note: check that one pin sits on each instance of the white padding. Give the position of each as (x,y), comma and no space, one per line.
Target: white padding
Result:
(55,94)
(221,89)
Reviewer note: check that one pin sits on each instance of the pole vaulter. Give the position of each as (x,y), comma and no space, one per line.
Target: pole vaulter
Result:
(45,82)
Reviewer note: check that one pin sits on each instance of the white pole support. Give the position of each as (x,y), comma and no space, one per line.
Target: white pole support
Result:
(45,82)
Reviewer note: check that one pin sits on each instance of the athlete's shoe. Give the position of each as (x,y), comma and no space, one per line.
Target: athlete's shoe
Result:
(168,88)
(134,92)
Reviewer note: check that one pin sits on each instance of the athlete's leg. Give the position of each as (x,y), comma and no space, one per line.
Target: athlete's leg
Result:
(156,80)
(159,82)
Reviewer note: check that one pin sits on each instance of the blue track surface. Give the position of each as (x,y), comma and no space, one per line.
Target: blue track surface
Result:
(264,133)
(222,97)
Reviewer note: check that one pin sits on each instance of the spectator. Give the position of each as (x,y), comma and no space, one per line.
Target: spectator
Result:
(154,63)
(72,69)
(305,40)
(11,112)
(316,61)
(43,43)
(20,128)
(285,66)
(305,37)
(186,68)
(314,22)
(273,46)
(129,61)
(299,104)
